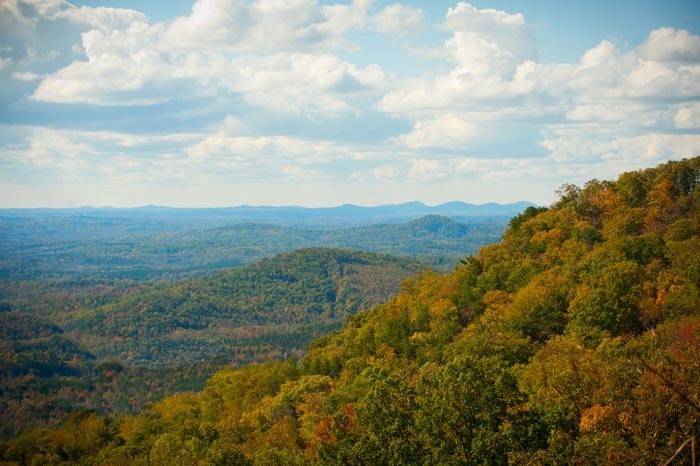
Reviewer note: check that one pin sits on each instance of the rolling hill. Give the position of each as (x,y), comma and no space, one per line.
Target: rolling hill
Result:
(574,340)
(67,248)
(267,310)
(170,336)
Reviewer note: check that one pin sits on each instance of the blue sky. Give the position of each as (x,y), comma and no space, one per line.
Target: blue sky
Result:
(226,102)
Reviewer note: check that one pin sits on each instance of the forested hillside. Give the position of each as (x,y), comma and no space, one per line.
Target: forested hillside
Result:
(45,375)
(573,341)
(267,310)
(167,337)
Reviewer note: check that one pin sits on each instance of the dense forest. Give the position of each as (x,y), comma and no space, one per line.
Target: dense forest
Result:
(57,248)
(269,309)
(45,376)
(575,340)
(119,351)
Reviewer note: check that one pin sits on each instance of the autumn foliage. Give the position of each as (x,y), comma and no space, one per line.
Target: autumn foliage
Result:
(575,340)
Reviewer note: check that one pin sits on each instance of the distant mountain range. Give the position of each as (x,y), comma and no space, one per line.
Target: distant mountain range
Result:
(344,214)
(144,248)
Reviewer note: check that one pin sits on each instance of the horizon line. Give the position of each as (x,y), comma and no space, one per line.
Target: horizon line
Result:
(269,206)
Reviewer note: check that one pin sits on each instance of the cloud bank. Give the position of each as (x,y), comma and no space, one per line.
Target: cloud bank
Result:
(281,91)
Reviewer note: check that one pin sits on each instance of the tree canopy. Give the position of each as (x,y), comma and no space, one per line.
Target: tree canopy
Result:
(575,340)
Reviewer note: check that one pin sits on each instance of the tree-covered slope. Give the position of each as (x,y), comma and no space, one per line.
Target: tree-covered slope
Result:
(45,376)
(267,310)
(159,339)
(573,341)
(435,239)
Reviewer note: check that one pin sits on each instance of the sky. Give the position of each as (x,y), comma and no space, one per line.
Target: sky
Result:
(319,103)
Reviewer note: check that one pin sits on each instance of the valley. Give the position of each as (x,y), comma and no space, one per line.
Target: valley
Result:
(112,313)
(573,340)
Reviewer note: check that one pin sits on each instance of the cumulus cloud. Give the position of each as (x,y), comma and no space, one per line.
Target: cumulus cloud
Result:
(224,46)
(493,53)
(398,19)
(29,12)
(305,84)
(668,45)
(688,116)
(123,68)
(490,111)
(488,41)
(448,130)
(264,26)
(613,94)
(602,75)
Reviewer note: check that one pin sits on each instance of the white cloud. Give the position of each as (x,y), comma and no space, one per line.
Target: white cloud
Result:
(48,147)
(447,130)
(386,172)
(225,47)
(602,76)
(488,41)
(427,170)
(620,112)
(29,12)
(493,53)
(123,68)
(26,76)
(276,156)
(304,84)
(614,96)
(463,92)
(59,147)
(593,143)
(398,19)
(490,112)
(604,73)
(688,116)
(271,152)
(82,155)
(264,26)
(503,169)
(668,45)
